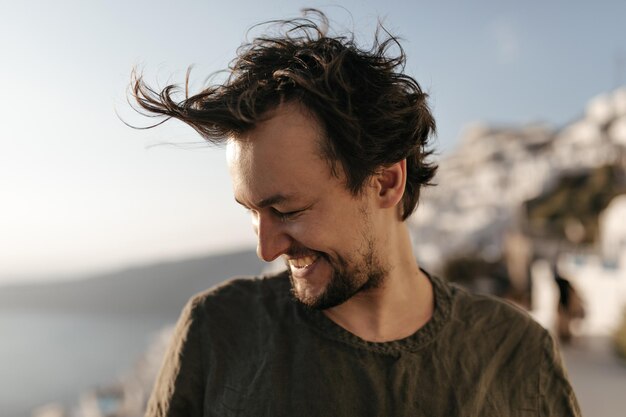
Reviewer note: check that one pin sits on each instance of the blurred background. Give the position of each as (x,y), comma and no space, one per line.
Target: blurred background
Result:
(106,231)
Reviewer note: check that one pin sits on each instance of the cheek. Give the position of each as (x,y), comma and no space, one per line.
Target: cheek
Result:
(302,232)
(311,233)
(334,225)
(328,237)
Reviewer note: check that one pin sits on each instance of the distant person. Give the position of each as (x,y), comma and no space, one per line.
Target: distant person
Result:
(328,147)
(570,308)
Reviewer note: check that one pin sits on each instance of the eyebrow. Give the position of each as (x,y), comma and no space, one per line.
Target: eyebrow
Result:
(269,201)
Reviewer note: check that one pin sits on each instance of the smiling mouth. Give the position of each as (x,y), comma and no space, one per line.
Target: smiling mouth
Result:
(302,262)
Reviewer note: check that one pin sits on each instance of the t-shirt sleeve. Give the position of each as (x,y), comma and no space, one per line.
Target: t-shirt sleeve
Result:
(180,386)
(556,394)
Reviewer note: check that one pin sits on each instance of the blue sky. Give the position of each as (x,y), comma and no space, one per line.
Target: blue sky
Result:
(81,192)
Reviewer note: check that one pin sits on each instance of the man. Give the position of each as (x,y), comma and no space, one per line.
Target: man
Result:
(327,147)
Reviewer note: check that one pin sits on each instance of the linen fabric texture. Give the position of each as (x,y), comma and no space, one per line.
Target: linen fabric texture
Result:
(248,348)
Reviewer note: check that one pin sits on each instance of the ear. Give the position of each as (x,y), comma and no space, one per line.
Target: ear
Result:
(390,183)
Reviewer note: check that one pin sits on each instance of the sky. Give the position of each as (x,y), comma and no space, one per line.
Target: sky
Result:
(80,192)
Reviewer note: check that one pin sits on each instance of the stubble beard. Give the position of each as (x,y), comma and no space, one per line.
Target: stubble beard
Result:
(348,278)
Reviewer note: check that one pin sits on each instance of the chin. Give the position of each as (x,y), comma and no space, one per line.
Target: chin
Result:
(307,292)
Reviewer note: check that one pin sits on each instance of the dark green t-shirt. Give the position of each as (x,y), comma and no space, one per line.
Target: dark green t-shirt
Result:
(247,348)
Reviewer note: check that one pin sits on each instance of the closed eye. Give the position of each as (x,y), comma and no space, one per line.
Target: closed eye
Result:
(289,215)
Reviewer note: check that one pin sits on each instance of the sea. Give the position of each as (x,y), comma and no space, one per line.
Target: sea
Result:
(54,357)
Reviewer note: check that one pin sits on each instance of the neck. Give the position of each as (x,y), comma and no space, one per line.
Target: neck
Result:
(396,309)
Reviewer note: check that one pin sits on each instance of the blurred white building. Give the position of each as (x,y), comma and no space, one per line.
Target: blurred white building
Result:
(482,185)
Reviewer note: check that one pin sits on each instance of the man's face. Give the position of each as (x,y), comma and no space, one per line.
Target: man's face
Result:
(302,213)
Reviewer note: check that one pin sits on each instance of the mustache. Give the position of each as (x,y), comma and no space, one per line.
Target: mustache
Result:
(301,251)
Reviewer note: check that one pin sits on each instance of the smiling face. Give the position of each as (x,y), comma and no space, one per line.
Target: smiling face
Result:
(303,213)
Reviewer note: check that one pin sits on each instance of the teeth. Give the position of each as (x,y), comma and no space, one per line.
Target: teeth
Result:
(303,262)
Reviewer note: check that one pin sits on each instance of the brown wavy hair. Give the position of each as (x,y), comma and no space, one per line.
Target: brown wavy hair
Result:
(372,113)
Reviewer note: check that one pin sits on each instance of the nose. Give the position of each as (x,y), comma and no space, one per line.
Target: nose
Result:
(272,240)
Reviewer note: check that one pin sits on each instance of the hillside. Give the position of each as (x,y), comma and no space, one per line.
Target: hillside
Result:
(153,289)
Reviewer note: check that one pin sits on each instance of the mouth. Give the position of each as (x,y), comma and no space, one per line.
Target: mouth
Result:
(303,262)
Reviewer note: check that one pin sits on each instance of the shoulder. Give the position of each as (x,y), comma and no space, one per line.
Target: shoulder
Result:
(500,340)
(485,316)
(241,298)
(488,309)
(244,287)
